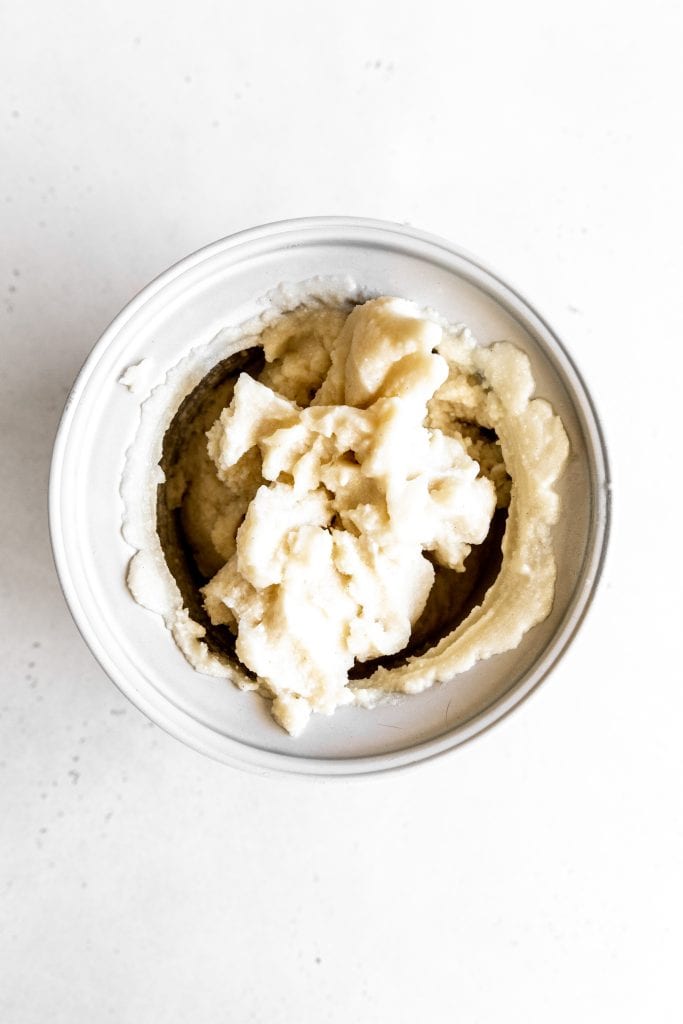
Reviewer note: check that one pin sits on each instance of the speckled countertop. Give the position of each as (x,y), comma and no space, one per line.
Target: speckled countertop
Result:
(534,875)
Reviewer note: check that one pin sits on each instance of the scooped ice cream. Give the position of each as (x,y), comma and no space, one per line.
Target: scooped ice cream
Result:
(329,566)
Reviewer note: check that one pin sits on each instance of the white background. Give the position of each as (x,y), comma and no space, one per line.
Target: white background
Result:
(533,876)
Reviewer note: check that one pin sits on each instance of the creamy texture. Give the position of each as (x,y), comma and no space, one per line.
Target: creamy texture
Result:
(329,566)
(332,483)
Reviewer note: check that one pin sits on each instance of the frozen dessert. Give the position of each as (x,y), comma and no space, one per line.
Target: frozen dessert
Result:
(328,498)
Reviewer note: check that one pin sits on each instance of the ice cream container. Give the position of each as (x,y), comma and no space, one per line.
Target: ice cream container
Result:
(185,309)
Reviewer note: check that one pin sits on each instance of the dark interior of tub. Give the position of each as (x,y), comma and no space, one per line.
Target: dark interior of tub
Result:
(453,595)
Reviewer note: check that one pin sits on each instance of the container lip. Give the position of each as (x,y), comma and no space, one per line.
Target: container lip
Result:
(271,763)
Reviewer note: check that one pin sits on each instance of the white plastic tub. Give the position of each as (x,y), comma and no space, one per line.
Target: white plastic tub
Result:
(186,307)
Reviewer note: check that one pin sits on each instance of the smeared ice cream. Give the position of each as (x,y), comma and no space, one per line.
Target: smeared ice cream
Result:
(373,446)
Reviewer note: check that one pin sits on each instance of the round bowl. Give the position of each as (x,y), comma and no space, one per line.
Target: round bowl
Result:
(187,307)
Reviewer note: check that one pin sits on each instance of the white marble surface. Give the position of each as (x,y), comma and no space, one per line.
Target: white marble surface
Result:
(534,876)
